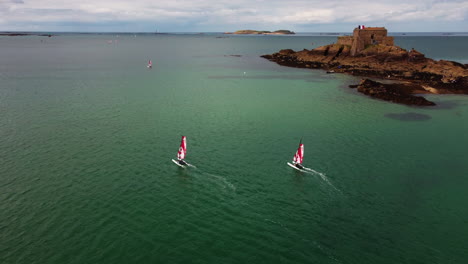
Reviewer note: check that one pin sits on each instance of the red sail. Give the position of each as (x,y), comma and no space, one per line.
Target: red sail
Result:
(182,149)
(299,154)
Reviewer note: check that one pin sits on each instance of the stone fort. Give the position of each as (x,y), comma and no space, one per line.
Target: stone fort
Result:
(362,38)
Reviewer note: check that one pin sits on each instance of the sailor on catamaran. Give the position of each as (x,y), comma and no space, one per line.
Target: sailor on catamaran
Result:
(182,162)
(181,153)
(297,160)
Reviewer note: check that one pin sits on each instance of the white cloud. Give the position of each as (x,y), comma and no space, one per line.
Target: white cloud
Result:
(223,13)
(444,11)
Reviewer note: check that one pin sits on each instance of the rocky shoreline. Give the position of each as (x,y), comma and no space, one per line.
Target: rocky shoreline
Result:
(418,73)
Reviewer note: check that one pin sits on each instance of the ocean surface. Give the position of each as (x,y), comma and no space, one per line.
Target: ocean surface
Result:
(87,134)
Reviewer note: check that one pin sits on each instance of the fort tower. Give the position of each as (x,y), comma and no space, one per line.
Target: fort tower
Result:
(362,38)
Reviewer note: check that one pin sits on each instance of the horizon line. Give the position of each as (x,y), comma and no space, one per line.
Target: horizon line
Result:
(222,32)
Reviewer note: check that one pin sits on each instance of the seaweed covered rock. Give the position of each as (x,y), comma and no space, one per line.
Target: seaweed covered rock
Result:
(395,92)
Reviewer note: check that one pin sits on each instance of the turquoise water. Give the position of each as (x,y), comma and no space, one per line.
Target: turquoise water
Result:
(87,134)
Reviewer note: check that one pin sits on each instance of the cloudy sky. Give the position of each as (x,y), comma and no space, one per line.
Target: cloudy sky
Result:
(231,15)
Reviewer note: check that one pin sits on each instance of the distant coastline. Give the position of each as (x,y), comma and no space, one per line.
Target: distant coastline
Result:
(324,34)
(14,34)
(261,32)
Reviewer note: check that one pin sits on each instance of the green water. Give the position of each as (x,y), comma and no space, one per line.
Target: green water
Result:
(87,134)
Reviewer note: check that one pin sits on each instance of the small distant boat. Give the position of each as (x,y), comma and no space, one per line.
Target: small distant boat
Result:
(330,71)
(181,154)
(150,64)
(298,157)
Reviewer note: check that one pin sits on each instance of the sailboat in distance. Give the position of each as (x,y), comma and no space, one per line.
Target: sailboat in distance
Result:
(182,153)
(298,157)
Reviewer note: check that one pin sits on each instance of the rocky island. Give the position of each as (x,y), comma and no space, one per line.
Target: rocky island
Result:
(369,52)
(256,32)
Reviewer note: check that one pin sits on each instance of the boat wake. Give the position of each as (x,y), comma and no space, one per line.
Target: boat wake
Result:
(322,175)
(297,164)
(220,180)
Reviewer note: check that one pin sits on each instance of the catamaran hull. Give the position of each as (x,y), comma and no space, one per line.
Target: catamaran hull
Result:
(294,166)
(178,164)
(184,166)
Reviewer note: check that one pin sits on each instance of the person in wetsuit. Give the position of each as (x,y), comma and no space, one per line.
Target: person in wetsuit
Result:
(299,166)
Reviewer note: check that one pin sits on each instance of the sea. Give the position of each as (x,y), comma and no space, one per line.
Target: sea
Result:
(87,134)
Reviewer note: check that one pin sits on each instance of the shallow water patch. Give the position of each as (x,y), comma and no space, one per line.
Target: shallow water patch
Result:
(410,116)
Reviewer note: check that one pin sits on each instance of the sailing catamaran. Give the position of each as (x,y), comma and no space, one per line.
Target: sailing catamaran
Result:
(150,64)
(181,153)
(297,160)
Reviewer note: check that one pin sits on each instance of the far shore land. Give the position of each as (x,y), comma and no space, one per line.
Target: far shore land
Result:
(410,70)
(258,32)
(15,34)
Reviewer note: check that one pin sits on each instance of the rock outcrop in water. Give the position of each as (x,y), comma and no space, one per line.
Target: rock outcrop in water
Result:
(395,92)
(373,55)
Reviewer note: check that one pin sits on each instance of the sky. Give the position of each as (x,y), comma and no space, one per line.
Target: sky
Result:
(232,15)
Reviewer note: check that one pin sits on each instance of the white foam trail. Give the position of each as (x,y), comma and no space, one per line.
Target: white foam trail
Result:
(221,179)
(322,175)
(218,178)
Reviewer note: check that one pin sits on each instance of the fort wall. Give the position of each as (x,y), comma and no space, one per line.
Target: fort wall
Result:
(368,36)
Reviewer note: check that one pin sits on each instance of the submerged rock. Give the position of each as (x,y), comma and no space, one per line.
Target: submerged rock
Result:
(408,116)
